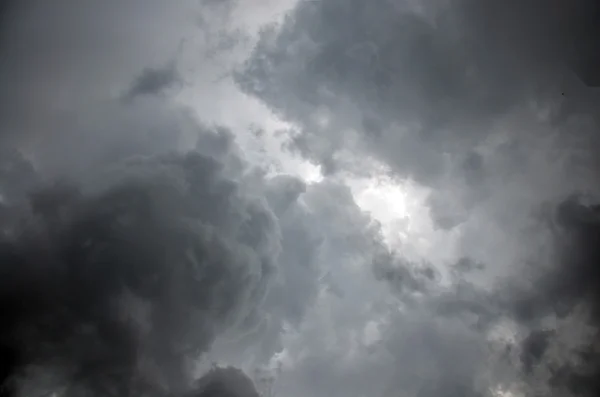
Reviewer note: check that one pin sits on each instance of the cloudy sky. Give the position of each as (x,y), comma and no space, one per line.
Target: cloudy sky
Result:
(327,197)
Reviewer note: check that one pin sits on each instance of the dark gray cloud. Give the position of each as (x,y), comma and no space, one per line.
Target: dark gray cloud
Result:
(225,382)
(124,253)
(104,281)
(153,81)
(570,291)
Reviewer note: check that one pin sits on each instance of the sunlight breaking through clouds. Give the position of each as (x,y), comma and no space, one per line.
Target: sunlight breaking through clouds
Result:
(323,198)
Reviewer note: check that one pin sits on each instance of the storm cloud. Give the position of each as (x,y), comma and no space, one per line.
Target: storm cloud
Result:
(141,266)
(364,198)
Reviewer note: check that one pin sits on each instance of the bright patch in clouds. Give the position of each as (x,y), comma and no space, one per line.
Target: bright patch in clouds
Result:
(374,218)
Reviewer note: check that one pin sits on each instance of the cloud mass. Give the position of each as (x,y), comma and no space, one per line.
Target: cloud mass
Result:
(141,272)
(302,198)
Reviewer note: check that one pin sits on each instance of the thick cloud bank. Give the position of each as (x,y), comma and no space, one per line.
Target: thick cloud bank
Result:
(139,269)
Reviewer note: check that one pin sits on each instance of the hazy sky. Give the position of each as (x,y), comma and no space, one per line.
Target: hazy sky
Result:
(339,197)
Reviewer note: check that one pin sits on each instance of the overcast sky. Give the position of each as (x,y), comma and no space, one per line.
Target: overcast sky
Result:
(337,197)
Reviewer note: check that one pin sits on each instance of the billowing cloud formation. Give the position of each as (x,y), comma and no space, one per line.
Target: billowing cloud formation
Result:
(435,91)
(125,257)
(138,268)
(124,253)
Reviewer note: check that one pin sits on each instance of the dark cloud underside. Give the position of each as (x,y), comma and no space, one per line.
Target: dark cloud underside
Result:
(144,271)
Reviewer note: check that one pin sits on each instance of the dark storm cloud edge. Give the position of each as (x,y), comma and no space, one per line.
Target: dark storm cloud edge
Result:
(123,258)
(99,288)
(120,274)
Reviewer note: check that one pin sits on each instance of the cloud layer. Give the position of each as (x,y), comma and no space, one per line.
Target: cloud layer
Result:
(141,243)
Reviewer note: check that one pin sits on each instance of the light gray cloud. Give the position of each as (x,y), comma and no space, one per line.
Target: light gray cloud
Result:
(428,91)
(485,105)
